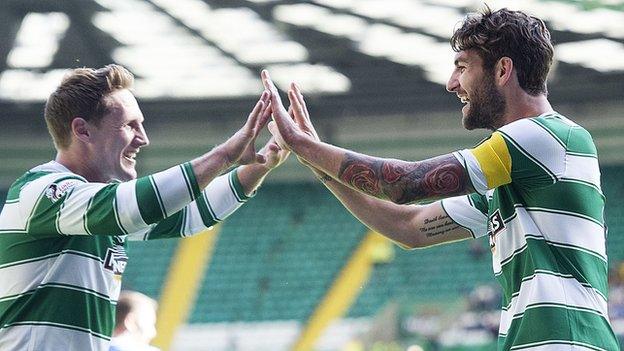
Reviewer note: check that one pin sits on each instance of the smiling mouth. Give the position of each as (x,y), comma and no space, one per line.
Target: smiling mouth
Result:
(131,156)
(464,99)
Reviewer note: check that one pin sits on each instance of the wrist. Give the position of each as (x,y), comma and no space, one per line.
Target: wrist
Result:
(222,156)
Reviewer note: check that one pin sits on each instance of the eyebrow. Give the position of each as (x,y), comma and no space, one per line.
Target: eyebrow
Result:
(457,61)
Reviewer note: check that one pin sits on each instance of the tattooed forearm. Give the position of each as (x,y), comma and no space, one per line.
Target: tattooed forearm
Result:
(438,225)
(405,182)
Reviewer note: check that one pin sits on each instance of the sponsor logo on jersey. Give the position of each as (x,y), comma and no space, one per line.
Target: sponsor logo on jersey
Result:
(55,191)
(115,260)
(496,224)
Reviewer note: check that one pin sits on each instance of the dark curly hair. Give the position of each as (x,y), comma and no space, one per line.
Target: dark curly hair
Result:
(514,34)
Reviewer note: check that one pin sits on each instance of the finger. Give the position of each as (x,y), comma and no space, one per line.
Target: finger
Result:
(254,114)
(258,110)
(297,109)
(273,147)
(301,100)
(264,118)
(268,84)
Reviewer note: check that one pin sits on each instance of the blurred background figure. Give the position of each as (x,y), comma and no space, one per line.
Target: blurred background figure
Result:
(135,322)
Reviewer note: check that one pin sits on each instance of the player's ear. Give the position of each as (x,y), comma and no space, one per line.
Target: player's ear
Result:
(503,70)
(80,129)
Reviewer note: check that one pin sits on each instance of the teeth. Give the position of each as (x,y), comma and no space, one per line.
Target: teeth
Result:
(465,100)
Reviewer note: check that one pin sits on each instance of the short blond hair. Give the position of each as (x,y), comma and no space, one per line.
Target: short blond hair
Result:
(81,94)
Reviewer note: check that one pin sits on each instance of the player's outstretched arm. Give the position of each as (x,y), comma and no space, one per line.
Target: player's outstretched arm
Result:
(398,181)
(238,149)
(410,226)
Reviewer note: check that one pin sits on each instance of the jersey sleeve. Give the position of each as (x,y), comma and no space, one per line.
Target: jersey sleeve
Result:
(217,201)
(468,211)
(65,204)
(522,152)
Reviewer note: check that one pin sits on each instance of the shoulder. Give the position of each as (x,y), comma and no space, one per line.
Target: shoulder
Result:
(549,131)
(48,178)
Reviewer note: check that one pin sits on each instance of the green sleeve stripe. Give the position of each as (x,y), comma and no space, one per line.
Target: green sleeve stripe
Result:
(183,222)
(85,217)
(169,227)
(158,197)
(101,217)
(237,187)
(117,219)
(191,180)
(206,212)
(150,206)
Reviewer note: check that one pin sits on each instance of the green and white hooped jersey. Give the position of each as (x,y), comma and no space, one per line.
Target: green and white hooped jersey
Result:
(540,202)
(62,245)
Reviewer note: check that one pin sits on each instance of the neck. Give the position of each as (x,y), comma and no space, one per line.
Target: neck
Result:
(523,105)
(77,161)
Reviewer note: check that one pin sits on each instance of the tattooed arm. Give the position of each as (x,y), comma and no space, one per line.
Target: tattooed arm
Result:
(405,182)
(411,226)
(398,181)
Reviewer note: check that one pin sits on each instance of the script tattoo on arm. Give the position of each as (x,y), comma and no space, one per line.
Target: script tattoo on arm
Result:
(405,182)
(438,225)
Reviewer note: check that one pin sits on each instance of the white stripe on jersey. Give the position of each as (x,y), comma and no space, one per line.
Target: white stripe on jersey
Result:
(548,151)
(553,227)
(544,289)
(221,197)
(174,192)
(128,208)
(11,219)
(193,223)
(556,345)
(463,213)
(78,270)
(71,219)
(474,170)
(49,338)
(581,168)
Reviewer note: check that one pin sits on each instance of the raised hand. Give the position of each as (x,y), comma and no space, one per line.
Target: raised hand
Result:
(285,130)
(274,154)
(239,148)
(299,111)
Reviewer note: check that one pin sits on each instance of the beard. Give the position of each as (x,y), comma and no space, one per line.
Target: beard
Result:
(487,106)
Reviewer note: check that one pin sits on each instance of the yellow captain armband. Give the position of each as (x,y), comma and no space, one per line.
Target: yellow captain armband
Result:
(495,161)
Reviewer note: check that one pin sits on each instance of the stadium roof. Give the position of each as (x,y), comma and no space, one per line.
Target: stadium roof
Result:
(195,58)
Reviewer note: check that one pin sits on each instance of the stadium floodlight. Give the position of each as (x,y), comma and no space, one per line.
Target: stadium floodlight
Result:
(38,40)
(26,85)
(311,78)
(603,55)
(305,15)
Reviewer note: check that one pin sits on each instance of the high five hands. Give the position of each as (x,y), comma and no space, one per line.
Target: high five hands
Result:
(289,128)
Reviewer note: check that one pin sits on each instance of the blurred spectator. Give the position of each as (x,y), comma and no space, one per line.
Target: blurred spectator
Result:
(135,322)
